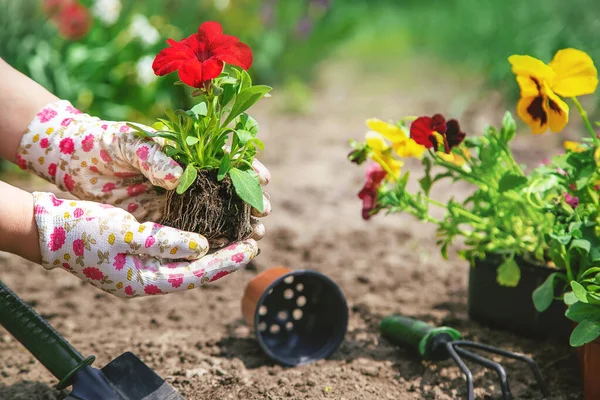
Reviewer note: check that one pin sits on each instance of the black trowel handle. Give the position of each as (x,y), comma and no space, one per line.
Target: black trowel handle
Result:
(40,338)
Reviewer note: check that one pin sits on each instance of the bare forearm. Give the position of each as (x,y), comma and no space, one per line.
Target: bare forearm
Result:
(18,230)
(20,99)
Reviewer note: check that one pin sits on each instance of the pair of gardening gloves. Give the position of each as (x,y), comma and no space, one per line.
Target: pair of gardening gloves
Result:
(115,173)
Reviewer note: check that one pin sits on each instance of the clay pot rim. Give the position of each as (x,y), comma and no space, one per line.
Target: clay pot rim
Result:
(341,334)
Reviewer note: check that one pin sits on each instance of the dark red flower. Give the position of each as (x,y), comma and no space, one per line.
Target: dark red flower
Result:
(74,21)
(423,128)
(374,176)
(200,57)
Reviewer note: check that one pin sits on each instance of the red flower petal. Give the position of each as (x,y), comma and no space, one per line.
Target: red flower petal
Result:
(212,68)
(421,132)
(191,73)
(210,31)
(454,135)
(438,124)
(172,58)
(238,54)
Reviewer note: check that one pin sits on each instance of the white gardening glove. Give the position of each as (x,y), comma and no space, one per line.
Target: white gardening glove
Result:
(106,247)
(104,161)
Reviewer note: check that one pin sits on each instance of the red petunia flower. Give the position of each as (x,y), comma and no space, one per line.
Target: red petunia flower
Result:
(423,128)
(201,57)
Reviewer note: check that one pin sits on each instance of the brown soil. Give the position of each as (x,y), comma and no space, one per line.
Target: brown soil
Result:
(210,208)
(198,340)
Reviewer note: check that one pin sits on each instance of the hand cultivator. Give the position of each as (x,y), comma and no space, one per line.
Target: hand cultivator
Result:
(124,378)
(442,343)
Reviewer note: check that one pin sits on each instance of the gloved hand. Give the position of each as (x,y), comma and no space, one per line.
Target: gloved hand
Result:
(106,247)
(104,161)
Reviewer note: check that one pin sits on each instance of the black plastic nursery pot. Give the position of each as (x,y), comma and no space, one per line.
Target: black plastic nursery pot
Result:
(511,308)
(298,316)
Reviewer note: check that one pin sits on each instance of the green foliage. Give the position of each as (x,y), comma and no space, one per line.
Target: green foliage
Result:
(501,216)
(478,34)
(108,72)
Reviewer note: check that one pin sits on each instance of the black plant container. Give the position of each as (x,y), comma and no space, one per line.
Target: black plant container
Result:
(511,308)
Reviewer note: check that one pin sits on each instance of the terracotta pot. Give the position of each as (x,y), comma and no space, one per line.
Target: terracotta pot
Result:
(298,316)
(255,289)
(589,357)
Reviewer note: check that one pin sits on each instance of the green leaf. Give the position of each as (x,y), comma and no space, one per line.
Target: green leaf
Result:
(544,294)
(582,244)
(579,312)
(243,136)
(586,331)
(200,109)
(508,273)
(245,80)
(245,100)
(258,143)
(251,125)
(544,184)
(509,127)
(224,167)
(591,271)
(247,187)
(570,298)
(579,291)
(187,179)
(191,140)
(510,181)
(229,92)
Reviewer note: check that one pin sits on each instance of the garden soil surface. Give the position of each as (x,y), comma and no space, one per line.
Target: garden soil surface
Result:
(198,341)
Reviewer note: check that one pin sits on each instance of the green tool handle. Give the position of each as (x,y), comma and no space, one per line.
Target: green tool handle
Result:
(40,338)
(414,334)
(405,331)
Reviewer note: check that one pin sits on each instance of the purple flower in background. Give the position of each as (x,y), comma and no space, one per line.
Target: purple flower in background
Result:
(322,3)
(267,11)
(573,201)
(304,27)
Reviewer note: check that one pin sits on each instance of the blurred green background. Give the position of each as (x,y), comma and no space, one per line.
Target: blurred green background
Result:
(108,71)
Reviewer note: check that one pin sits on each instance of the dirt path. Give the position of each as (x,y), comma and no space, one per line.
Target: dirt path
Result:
(198,341)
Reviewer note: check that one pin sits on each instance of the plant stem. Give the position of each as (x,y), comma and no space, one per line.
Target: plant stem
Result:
(586,120)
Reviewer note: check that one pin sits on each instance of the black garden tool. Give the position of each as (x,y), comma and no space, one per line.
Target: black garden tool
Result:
(443,342)
(124,378)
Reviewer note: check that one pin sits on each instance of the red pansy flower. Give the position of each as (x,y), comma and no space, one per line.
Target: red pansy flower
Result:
(201,57)
(423,128)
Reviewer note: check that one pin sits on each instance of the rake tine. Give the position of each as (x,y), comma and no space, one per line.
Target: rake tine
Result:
(489,364)
(519,357)
(463,367)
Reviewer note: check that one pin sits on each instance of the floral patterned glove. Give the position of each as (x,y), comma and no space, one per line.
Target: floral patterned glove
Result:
(106,162)
(97,160)
(106,247)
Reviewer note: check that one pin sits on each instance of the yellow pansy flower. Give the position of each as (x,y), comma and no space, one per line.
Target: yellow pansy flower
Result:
(402,144)
(570,73)
(382,154)
(454,158)
(574,147)
(391,132)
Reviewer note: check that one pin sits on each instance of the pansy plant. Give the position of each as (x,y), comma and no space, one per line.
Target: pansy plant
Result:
(548,216)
